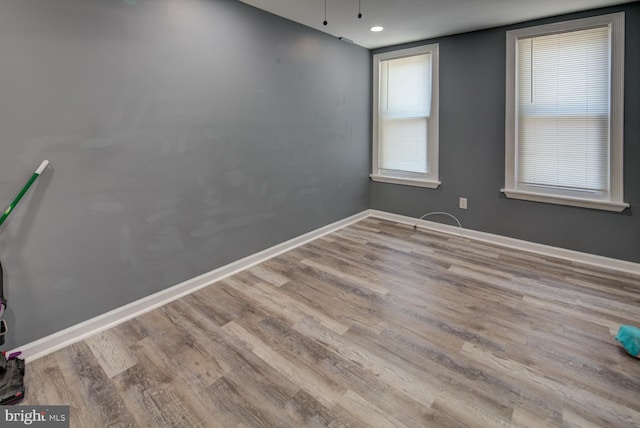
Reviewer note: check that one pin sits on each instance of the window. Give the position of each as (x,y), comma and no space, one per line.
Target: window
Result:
(405,117)
(564,115)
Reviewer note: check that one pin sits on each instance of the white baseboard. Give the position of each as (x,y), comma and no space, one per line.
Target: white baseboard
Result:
(518,244)
(78,332)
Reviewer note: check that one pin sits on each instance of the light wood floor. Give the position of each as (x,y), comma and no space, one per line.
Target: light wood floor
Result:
(376,325)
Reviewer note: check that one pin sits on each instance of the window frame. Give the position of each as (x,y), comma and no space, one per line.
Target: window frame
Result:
(430,180)
(612,200)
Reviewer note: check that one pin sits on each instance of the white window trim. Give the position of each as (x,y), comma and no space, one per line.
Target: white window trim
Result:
(616,125)
(432,181)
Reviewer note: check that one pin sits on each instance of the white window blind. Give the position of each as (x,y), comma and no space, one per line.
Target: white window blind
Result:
(562,103)
(404,110)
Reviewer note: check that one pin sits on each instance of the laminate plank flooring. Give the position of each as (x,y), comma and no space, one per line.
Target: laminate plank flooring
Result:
(374,325)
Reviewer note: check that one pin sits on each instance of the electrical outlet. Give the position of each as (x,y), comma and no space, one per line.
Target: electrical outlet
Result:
(463,203)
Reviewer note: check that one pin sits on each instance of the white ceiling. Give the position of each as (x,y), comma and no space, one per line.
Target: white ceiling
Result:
(411,20)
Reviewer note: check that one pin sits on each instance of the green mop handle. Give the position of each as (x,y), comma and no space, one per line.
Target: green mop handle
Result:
(24,190)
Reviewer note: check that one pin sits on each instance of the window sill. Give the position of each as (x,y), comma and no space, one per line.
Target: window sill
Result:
(431,184)
(565,200)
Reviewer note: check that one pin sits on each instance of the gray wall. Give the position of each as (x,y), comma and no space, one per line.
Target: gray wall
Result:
(472,109)
(183,135)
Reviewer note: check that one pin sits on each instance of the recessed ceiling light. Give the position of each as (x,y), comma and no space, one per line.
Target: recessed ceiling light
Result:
(377,28)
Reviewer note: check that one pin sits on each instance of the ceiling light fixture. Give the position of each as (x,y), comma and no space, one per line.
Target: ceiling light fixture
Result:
(325,22)
(377,28)
(325,13)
